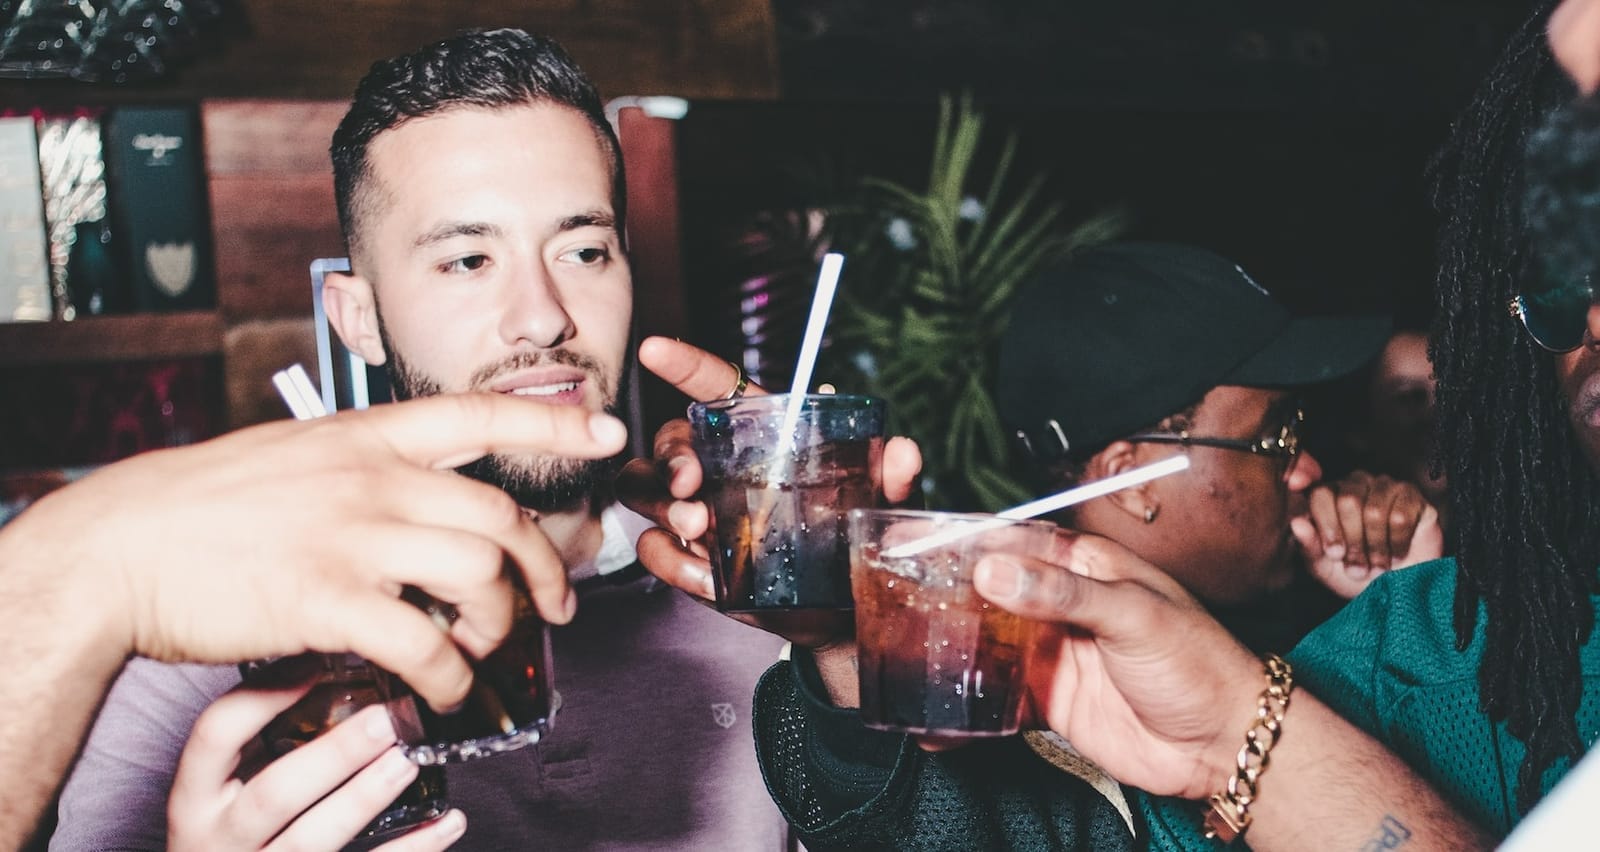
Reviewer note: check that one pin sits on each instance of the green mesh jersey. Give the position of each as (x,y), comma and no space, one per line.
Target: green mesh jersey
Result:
(845,786)
(1388,663)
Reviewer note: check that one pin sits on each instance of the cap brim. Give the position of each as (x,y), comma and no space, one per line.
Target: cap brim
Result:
(1310,350)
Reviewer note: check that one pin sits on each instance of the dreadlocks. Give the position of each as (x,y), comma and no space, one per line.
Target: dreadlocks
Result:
(1524,497)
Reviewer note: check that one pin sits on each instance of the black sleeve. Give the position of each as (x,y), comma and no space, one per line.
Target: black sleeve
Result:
(845,786)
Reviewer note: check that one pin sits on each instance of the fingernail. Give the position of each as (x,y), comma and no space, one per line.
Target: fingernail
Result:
(395,768)
(676,464)
(378,727)
(1001,579)
(569,604)
(607,429)
(450,826)
(677,515)
(704,579)
(1335,551)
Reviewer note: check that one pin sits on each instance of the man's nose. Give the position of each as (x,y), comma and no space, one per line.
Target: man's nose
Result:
(1304,471)
(1592,339)
(534,312)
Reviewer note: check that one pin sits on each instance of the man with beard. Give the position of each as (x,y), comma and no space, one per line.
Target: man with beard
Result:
(480,193)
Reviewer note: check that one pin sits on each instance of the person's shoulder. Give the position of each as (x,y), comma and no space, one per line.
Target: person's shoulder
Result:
(1400,628)
(1416,601)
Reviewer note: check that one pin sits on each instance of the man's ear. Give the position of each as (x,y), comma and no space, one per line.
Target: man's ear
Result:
(1120,457)
(353,314)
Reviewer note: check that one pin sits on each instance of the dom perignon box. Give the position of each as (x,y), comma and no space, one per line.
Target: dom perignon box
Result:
(24,258)
(157,194)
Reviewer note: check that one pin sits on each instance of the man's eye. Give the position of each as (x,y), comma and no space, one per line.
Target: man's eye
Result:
(470,263)
(588,256)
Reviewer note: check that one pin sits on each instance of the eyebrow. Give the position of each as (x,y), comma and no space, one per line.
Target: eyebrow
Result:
(589,219)
(450,230)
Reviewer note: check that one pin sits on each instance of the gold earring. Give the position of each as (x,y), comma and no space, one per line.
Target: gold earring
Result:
(1149,514)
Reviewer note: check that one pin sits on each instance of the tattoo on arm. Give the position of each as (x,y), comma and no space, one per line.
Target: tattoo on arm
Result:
(1392,834)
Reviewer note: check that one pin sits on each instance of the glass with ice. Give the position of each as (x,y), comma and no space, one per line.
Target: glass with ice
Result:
(935,657)
(346,683)
(778,498)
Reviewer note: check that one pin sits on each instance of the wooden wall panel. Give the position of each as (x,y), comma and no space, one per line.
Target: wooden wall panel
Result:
(271,201)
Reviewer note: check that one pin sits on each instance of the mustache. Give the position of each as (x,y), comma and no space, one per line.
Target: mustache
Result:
(529,359)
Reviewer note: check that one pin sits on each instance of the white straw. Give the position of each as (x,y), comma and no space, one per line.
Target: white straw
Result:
(291,395)
(821,303)
(298,393)
(1043,506)
(308,391)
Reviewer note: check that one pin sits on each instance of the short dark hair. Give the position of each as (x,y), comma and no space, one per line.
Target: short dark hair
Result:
(478,68)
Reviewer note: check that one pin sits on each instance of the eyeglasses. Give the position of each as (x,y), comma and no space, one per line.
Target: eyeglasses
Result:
(1556,318)
(1285,446)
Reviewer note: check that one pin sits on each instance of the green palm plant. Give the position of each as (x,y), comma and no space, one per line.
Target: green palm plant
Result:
(927,294)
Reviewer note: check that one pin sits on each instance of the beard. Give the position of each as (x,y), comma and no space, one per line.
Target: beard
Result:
(1562,194)
(544,484)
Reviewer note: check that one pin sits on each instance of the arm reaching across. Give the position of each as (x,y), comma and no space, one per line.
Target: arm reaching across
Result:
(277,539)
(1148,686)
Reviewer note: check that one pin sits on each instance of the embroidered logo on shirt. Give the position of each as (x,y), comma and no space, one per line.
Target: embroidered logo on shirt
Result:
(723,715)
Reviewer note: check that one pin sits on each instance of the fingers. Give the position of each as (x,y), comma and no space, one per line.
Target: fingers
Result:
(902,462)
(1427,541)
(354,765)
(488,526)
(438,834)
(356,800)
(664,556)
(1045,592)
(698,374)
(1350,515)
(675,459)
(400,638)
(1405,512)
(450,430)
(222,732)
(1305,532)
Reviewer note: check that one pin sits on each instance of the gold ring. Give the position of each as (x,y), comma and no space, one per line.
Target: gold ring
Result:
(741,382)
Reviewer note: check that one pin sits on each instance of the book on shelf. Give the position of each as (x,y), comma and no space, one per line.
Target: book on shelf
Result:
(156,191)
(24,255)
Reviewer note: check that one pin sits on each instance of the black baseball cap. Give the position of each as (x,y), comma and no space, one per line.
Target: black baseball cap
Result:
(1122,335)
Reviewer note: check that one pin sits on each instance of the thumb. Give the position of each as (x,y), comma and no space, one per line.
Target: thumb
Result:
(1427,543)
(696,373)
(1041,591)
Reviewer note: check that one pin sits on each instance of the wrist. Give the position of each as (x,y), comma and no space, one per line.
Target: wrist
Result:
(836,664)
(1226,814)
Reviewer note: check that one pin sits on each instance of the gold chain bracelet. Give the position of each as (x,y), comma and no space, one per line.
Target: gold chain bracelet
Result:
(1228,817)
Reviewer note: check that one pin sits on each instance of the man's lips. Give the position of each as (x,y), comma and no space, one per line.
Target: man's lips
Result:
(542,383)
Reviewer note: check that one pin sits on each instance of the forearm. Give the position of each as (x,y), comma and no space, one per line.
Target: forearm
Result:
(1331,786)
(61,652)
(840,672)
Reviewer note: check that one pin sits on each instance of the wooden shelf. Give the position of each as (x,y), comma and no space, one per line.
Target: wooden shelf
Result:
(130,337)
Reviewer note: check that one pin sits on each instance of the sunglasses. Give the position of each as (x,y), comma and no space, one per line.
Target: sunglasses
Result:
(1556,318)
(1286,445)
